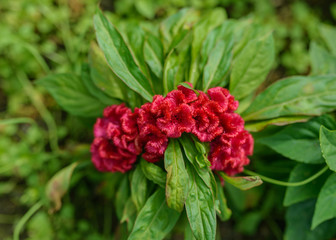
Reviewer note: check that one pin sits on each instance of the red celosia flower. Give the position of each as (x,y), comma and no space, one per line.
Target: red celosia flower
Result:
(116,146)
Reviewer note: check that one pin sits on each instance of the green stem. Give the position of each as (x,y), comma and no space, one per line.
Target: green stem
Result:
(40,107)
(19,226)
(288,184)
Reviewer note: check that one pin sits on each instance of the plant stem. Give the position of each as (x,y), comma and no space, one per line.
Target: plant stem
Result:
(19,226)
(288,184)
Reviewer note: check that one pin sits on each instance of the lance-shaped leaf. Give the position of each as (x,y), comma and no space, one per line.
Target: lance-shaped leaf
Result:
(243,183)
(251,67)
(71,94)
(129,214)
(139,188)
(155,219)
(305,138)
(328,146)
(296,95)
(122,195)
(177,176)
(326,202)
(119,57)
(328,34)
(200,207)
(153,173)
(223,210)
(322,62)
(58,185)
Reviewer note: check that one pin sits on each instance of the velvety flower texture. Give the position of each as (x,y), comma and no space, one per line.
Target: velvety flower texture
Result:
(116,145)
(122,135)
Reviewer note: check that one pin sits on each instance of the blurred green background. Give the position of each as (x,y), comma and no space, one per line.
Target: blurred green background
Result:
(37,138)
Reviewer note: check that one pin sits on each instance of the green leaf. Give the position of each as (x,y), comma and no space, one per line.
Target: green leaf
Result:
(200,207)
(307,191)
(328,34)
(322,62)
(177,177)
(139,188)
(93,89)
(298,221)
(200,31)
(223,211)
(155,219)
(129,214)
(58,185)
(305,138)
(122,196)
(217,67)
(243,183)
(326,202)
(71,94)
(153,173)
(294,96)
(251,67)
(119,57)
(260,125)
(102,76)
(328,147)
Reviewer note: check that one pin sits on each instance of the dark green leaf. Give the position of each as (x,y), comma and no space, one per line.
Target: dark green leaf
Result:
(251,67)
(294,96)
(298,222)
(328,146)
(71,94)
(122,196)
(58,185)
(243,183)
(129,214)
(305,138)
(139,188)
(177,177)
(155,219)
(322,62)
(153,173)
(307,191)
(223,211)
(200,207)
(120,58)
(326,202)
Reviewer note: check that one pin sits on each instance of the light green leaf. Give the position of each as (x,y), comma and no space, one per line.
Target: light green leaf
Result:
(58,185)
(307,191)
(177,177)
(129,214)
(119,57)
(328,34)
(322,62)
(325,208)
(139,188)
(223,210)
(200,207)
(71,94)
(153,173)
(305,138)
(328,147)
(296,95)
(243,183)
(251,67)
(155,219)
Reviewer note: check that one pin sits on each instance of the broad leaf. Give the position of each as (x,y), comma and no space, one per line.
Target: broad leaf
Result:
(298,222)
(251,67)
(322,62)
(155,219)
(326,202)
(177,177)
(305,138)
(294,96)
(139,188)
(328,146)
(243,183)
(307,191)
(153,173)
(120,58)
(200,207)
(58,185)
(71,94)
